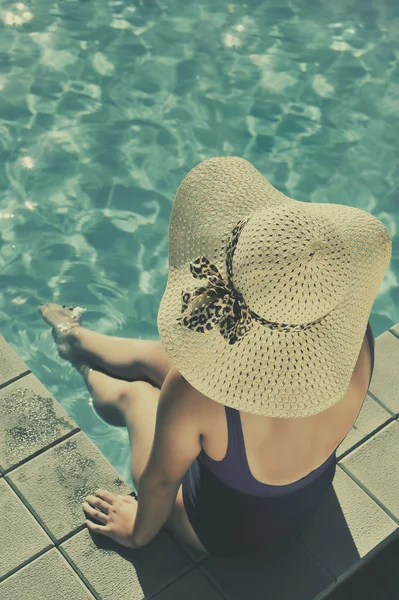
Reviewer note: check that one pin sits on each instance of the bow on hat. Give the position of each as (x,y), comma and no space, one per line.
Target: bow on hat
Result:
(217,303)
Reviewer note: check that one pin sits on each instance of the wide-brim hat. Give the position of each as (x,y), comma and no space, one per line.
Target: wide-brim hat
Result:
(268,298)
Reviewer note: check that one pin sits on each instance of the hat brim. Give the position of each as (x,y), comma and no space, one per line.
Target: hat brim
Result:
(286,375)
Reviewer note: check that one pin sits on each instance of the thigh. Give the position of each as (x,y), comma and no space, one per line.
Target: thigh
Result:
(139,405)
(179,525)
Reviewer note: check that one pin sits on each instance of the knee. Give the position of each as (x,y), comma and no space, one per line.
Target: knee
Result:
(132,391)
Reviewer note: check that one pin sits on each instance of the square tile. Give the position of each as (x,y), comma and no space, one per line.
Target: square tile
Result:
(375,467)
(374,579)
(21,535)
(347,525)
(30,419)
(286,572)
(114,571)
(193,585)
(11,365)
(49,577)
(385,379)
(55,483)
(371,416)
(395,329)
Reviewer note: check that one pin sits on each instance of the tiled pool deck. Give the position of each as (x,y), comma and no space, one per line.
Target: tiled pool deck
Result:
(48,466)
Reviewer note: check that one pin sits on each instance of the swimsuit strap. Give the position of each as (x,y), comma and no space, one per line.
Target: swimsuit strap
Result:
(236,442)
(233,434)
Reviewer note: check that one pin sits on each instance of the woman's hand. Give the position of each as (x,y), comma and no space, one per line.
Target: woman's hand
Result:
(116,516)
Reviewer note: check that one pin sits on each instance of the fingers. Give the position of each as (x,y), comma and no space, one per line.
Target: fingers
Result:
(98,503)
(96,514)
(96,527)
(107,496)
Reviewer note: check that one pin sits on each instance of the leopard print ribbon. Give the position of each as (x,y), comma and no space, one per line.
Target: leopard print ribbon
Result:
(217,303)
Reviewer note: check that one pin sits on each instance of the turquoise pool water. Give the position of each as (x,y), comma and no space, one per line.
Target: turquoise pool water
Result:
(105,106)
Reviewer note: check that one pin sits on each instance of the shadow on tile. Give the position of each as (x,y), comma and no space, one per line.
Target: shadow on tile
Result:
(113,571)
(345,528)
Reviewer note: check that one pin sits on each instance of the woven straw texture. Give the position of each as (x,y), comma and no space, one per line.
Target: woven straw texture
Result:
(316,265)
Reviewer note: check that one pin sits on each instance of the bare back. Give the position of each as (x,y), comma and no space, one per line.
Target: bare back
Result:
(281,451)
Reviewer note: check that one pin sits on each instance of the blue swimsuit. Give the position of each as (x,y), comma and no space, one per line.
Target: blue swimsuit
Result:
(234,514)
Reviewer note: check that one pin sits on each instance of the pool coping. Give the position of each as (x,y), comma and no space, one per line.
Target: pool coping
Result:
(48,465)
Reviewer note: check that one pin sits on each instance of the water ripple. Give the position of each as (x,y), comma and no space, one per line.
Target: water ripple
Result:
(106,106)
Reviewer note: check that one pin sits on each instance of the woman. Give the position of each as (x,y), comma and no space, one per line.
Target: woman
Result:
(262,368)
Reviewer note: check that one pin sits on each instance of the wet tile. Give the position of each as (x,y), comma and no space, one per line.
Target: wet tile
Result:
(21,535)
(385,380)
(346,526)
(30,419)
(11,365)
(49,577)
(194,585)
(284,573)
(55,483)
(375,467)
(114,571)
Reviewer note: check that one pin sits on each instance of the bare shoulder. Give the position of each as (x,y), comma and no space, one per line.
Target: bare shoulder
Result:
(183,388)
(197,402)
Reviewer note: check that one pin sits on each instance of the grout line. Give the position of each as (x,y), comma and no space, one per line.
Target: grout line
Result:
(78,572)
(24,501)
(394,332)
(183,549)
(164,587)
(214,583)
(359,566)
(14,379)
(380,402)
(370,494)
(42,450)
(365,438)
(70,534)
(194,564)
(316,560)
(25,563)
(55,542)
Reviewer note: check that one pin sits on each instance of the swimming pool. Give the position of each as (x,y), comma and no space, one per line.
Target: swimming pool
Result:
(104,108)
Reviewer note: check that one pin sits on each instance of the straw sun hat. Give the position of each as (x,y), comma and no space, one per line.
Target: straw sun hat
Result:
(268,298)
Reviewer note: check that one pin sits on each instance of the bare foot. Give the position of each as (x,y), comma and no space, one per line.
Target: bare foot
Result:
(64,322)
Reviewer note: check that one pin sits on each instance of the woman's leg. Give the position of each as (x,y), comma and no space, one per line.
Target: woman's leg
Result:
(106,392)
(136,403)
(124,358)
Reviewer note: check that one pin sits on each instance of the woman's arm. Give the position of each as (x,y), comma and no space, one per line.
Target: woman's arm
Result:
(155,505)
(175,446)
